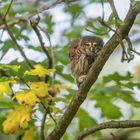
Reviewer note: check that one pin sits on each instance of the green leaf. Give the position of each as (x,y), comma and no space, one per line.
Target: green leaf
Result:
(130,85)
(18,35)
(74,9)
(9,67)
(128,98)
(49,22)
(7,104)
(74,32)
(108,109)
(7,45)
(115,92)
(62,56)
(85,121)
(111,19)
(117,77)
(59,69)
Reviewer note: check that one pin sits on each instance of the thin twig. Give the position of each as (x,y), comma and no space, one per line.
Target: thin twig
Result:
(114,11)
(9,7)
(112,5)
(1,35)
(124,53)
(51,54)
(103,10)
(50,45)
(136,52)
(47,111)
(35,12)
(115,14)
(114,136)
(18,46)
(3,54)
(102,22)
(129,49)
(34,26)
(11,34)
(42,134)
(52,118)
(37,117)
(120,38)
(125,57)
(97,33)
(106,125)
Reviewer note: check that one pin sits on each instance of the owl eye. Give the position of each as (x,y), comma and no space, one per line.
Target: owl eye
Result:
(95,44)
(88,44)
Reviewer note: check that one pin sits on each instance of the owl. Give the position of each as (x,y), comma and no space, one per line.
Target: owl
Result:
(82,53)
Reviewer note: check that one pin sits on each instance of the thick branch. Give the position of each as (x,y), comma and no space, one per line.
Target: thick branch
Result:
(92,76)
(111,124)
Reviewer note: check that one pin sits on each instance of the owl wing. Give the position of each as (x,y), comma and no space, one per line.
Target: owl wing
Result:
(73,48)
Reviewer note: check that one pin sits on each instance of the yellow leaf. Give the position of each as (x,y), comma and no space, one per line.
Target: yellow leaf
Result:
(29,134)
(39,71)
(5,88)
(27,97)
(67,87)
(57,87)
(19,118)
(41,89)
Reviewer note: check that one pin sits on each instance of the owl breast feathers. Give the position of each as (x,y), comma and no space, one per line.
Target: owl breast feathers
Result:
(82,53)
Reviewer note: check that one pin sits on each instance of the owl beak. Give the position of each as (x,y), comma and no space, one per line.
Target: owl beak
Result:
(91,48)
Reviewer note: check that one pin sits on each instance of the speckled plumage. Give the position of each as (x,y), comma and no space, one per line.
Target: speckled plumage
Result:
(82,53)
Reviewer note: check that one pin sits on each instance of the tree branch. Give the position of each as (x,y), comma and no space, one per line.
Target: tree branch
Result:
(122,135)
(110,124)
(43,125)
(16,43)
(8,9)
(93,73)
(40,10)
(51,53)
(35,28)
(3,17)
(25,18)
(112,5)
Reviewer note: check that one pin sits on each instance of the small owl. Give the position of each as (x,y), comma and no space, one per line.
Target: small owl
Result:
(82,53)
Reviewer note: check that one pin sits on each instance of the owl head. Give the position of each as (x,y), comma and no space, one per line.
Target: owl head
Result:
(92,44)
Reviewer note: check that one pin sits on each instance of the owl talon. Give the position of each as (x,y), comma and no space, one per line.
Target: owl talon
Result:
(81,79)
